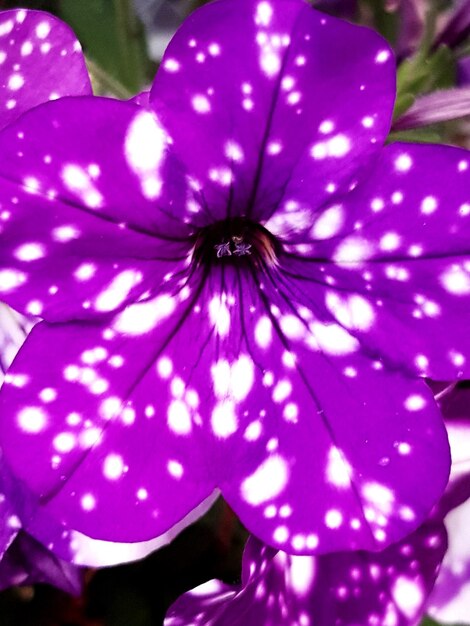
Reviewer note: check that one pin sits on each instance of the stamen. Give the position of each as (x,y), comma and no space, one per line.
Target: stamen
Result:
(223,249)
(241,248)
(234,241)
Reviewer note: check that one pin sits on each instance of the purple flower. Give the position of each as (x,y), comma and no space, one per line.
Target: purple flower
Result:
(450,598)
(388,588)
(22,559)
(449,601)
(40,60)
(456,28)
(288,378)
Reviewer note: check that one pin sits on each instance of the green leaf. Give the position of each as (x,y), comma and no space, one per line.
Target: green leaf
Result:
(403,102)
(113,40)
(416,135)
(386,22)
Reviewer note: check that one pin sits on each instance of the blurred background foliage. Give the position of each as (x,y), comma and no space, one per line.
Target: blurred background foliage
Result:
(124,41)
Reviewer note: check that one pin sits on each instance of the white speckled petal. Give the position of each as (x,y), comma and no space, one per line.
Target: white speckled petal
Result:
(93,412)
(157,401)
(450,599)
(40,60)
(394,265)
(75,547)
(346,589)
(83,231)
(263,127)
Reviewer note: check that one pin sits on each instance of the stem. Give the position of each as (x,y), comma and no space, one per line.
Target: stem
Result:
(429,31)
(128,30)
(107,82)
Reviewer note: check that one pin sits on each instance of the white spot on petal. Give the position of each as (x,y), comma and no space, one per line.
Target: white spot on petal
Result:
(338,470)
(30,252)
(32,420)
(43,29)
(223,419)
(354,312)
(429,205)
(382,56)
(117,291)
(456,280)
(64,442)
(179,418)
(88,502)
(408,595)
(113,466)
(415,403)
(144,148)
(219,315)
(201,104)
(333,519)
(263,332)
(266,482)
(140,318)
(329,223)
(11,279)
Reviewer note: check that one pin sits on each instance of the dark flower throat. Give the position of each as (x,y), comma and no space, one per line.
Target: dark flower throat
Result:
(235,241)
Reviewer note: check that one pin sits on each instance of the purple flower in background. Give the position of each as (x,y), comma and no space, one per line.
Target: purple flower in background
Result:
(389,588)
(40,60)
(22,559)
(288,377)
(449,601)
(456,28)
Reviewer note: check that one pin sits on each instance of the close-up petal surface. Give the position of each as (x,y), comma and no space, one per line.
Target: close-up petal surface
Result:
(40,60)
(345,589)
(28,562)
(249,133)
(102,239)
(175,385)
(393,266)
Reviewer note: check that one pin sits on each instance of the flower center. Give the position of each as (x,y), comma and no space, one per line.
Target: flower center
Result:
(236,240)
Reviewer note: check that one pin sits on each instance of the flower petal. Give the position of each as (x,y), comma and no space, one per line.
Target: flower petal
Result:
(75,547)
(393,266)
(454,402)
(142,99)
(329,441)
(83,229)
(11,507)
(28,562)
(40,60)
(223,369)
(451,596)
(265,86)
(348,588)
(96,446)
